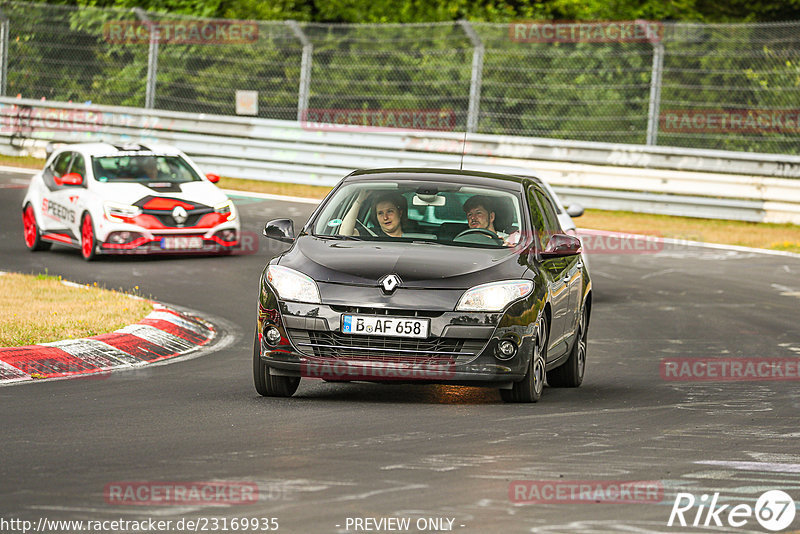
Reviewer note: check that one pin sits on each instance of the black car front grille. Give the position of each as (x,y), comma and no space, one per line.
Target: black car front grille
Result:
(386,311)
(334,345)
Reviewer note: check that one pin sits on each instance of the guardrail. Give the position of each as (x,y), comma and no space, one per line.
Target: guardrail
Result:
(694,183)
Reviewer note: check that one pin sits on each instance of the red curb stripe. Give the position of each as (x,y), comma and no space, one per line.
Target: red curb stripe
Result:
(187,318)
(46,361)
(175,330)
(135,346)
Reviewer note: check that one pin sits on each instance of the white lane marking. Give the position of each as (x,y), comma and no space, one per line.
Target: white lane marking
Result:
(762,467)
(658,273)
(18,170)
(786,291)
(269,196)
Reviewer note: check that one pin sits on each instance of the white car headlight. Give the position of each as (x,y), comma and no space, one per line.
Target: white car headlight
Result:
(116,211)
(226,208)
(493,296)
(293,285)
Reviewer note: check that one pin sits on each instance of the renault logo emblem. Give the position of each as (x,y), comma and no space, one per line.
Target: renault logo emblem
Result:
(389,283)
(179,214)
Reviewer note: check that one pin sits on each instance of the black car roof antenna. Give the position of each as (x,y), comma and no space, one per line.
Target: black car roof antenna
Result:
(463,149)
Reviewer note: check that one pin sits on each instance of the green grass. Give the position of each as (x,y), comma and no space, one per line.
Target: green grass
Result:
(39,309)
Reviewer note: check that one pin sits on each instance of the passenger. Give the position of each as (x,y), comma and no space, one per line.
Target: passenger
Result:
(390,213)
(481,213)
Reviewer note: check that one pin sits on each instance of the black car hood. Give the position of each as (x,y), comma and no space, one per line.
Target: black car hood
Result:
(417,264)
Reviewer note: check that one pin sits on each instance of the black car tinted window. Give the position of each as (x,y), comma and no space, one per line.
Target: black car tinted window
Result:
(537,219)
(550,217)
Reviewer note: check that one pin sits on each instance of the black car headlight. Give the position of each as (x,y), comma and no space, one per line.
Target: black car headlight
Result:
(493,297)
(292,285)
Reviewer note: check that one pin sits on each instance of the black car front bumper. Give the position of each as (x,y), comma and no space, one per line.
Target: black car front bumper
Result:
(461,348)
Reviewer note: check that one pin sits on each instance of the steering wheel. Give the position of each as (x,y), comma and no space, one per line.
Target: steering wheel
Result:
(361,226)
(481,231)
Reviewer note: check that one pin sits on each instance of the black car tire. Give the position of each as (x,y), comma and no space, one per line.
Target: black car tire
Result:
(266,384)
(570,373)
(530,388)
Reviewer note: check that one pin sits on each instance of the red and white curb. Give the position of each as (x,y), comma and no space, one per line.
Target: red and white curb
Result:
(165,333)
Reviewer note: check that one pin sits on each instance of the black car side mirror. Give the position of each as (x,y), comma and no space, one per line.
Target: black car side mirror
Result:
(562,245)
(280,229)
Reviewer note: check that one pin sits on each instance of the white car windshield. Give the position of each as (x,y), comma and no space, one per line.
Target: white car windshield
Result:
(445,213)
(143,168)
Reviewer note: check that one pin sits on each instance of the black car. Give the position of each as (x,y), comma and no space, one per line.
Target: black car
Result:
(428,276)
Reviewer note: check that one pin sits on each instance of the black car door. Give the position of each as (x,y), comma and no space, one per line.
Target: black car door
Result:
(571,273)
(555,272)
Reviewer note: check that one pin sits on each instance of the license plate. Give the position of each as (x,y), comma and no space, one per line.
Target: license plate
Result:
(371,325)
(181,243)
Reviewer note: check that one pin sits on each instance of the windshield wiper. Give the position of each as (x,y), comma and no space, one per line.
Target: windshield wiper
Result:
(339,237)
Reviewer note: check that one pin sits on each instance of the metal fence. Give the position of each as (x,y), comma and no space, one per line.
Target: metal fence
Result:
(722,86)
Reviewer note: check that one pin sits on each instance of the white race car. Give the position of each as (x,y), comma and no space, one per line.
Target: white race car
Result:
(107,199)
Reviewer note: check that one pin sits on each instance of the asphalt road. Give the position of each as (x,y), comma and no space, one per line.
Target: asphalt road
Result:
(335,451)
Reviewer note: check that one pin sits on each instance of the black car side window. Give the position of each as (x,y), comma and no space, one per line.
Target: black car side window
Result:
(550,217)
(537,220)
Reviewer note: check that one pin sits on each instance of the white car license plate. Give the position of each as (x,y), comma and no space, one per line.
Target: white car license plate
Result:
(181,243)
(371,325)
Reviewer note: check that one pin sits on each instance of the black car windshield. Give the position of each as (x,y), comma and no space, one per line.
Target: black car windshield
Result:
(445,213)
(143,167)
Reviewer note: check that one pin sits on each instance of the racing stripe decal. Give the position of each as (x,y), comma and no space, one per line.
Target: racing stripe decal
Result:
(164,333)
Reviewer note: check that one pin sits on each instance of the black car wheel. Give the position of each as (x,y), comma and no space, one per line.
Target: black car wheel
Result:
(570,374)
(266,384)
(530,388)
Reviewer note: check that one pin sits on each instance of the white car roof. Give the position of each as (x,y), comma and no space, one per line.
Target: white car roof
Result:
(107,149)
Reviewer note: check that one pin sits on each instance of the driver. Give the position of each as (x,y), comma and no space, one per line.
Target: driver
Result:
(150,167)
(481,213)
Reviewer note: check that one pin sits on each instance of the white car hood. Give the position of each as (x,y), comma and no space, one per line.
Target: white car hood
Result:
(201,192)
